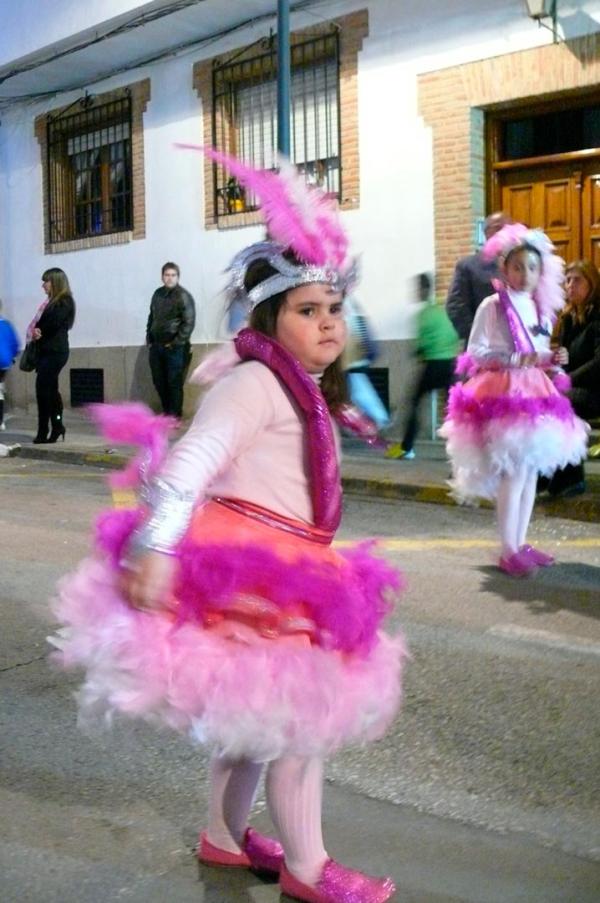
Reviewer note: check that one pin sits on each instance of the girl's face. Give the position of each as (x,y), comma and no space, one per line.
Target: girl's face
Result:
(311,325)
(47,286)
(577,288)
(522,270)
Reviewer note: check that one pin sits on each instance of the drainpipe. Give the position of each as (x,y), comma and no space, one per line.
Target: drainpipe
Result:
(283,77)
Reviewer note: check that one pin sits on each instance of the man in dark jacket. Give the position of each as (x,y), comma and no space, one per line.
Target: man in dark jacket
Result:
(472,281)
(170,326)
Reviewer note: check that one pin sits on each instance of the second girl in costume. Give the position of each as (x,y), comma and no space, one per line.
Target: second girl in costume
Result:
(510,420)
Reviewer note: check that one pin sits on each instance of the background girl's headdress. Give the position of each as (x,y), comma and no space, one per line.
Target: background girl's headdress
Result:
(549,293)
(300,219)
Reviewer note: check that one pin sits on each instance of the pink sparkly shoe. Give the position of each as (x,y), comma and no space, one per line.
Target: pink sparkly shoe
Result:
(337,884)
(537,556)
(259,853)
(517,565)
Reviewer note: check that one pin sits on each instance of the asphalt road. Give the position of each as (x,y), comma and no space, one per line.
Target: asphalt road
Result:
(485,789)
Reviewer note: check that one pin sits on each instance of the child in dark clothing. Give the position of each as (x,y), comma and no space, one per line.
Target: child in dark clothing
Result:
(437,348)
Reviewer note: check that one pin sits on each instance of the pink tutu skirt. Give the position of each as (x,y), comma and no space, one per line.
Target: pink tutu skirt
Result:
(501,420)
(274,645)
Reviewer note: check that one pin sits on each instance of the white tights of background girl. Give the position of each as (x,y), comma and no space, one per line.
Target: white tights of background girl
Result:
(514,506)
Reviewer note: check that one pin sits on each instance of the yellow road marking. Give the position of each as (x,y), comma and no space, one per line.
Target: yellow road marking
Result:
(121,498)
(422,545)
(126,498)
(392,544)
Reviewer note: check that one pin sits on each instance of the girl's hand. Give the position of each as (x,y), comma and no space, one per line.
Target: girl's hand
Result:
(147,582)
(36,334)
(561,357)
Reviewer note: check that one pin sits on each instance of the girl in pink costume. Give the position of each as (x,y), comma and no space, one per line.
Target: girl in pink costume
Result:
(218,606)
(509,421)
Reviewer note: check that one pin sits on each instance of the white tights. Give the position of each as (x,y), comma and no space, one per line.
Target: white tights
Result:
(294,788)
(514,505)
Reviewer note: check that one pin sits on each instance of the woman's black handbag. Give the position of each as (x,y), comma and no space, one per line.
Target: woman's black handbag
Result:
(29,357)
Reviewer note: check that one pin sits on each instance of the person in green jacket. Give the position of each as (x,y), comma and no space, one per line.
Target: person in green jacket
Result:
(437,348)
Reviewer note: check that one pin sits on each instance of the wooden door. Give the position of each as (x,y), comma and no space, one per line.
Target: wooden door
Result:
(590,215)
(549,198)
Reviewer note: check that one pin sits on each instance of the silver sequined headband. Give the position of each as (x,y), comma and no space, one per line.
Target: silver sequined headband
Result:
(287,276)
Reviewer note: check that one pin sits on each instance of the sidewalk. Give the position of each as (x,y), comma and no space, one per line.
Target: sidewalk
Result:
(364,470)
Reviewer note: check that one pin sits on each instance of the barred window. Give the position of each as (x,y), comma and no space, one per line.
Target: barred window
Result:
(89,170)
(245,116)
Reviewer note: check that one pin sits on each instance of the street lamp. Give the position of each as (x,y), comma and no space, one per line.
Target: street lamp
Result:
(543,9)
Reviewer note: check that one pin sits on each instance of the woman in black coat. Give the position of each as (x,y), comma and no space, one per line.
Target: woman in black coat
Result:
(51,334)
(578,330)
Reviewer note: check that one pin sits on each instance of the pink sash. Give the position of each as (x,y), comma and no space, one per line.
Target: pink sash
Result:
(325,483)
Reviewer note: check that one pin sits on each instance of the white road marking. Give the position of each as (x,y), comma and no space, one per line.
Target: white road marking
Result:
(547,638)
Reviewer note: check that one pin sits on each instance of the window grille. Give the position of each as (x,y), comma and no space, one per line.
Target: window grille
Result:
(245,117)
(89,171)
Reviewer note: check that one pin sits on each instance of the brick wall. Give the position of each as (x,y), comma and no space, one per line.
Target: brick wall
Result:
(453,102)
(353,29)
(140,95)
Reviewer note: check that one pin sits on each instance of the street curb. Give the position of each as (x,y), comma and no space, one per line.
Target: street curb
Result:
(431,493)
(110,460)
(580,508)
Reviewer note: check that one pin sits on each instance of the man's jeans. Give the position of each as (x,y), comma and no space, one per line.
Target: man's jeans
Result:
(167,366)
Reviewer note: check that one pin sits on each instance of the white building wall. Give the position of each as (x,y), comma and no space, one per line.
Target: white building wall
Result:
(393,229)
(31,24)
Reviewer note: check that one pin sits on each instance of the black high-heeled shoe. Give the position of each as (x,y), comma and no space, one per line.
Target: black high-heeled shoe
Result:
(58,430)
(40,440)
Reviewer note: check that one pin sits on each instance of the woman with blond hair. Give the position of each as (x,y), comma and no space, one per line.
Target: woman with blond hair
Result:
(49,329)
(578,330)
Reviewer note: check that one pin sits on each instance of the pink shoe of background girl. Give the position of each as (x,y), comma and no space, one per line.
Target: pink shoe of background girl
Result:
(543,559)
(338,884)
(259,853)
(517,565)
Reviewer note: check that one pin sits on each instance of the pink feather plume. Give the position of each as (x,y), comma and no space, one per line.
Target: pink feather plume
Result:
(215,365)
(298,216)
(505,239)
(549,293)
(133,423)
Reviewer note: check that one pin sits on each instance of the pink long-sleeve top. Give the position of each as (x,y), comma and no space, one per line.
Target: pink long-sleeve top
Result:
(246,442)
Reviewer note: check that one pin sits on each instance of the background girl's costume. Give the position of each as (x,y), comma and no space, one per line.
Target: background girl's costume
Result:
(509,414)
(272,650)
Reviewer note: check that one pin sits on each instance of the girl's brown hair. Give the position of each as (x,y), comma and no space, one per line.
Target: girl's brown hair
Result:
(264,319)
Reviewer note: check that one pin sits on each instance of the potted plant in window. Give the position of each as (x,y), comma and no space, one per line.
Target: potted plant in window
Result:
(235,196)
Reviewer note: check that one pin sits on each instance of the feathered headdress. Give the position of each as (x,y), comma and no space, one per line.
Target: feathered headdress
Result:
(549,293)
(300,218)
